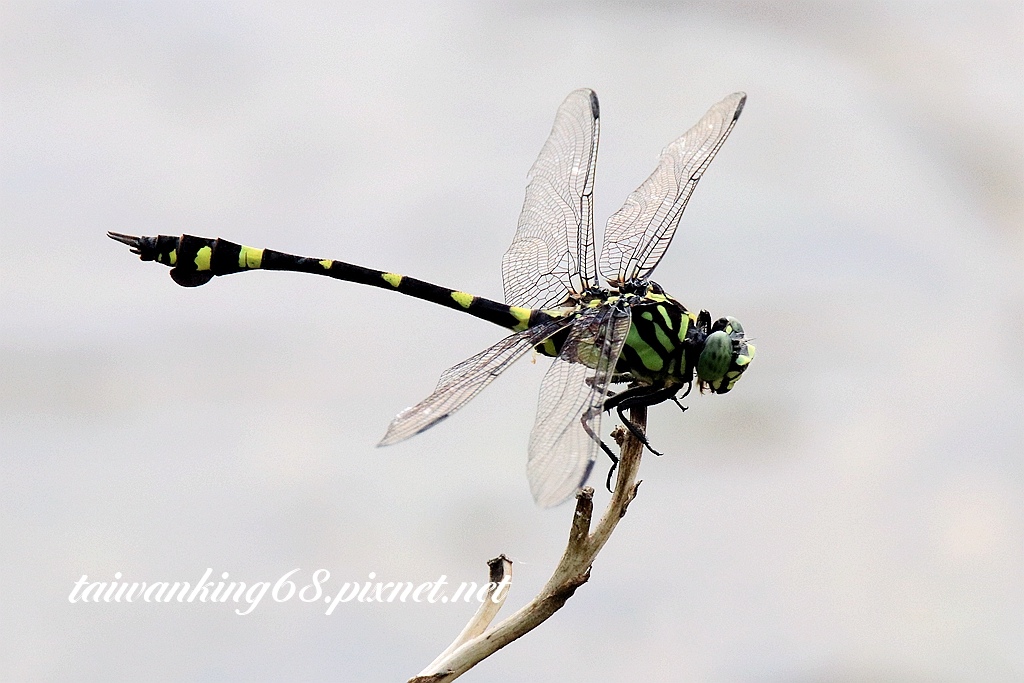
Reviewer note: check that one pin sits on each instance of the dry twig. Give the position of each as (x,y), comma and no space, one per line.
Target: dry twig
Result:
(477,641)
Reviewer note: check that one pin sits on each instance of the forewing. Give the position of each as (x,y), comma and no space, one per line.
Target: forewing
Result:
(552,253)
(561,453)
(638,234)
(460,383)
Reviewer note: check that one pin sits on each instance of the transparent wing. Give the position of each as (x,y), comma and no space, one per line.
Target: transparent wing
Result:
(572,395)
(638,234)
(552,253)
(460,383)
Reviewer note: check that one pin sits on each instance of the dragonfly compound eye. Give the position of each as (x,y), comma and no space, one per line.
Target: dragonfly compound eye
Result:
(725,357)
(714,358)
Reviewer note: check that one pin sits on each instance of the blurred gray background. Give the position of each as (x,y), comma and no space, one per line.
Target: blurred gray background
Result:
(853,511)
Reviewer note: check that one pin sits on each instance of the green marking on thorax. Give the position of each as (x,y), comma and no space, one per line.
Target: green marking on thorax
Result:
(463,299)
(649,356)
(203,258)
(663,339)
(326,264)
(683,327)
(688,320)
(393,279)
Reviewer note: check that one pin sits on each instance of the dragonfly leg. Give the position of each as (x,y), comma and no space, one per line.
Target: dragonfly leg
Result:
(675,399)
(636,431)
(640,396)
(611,470)
(585,421)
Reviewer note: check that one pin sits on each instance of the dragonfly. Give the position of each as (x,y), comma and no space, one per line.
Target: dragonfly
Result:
(604,328)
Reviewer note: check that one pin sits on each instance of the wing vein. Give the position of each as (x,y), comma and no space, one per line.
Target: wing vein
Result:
(460,383)
(552,253)
(638,234)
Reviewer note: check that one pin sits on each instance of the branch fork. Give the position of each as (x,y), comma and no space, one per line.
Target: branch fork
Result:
(478,640)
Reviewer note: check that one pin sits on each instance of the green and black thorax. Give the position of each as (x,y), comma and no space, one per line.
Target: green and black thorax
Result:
(666,341)
(663,340)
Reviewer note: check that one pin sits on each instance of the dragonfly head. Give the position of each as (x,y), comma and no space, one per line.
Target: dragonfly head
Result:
(725,356)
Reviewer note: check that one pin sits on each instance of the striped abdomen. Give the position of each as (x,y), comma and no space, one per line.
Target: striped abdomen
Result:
(195,261)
